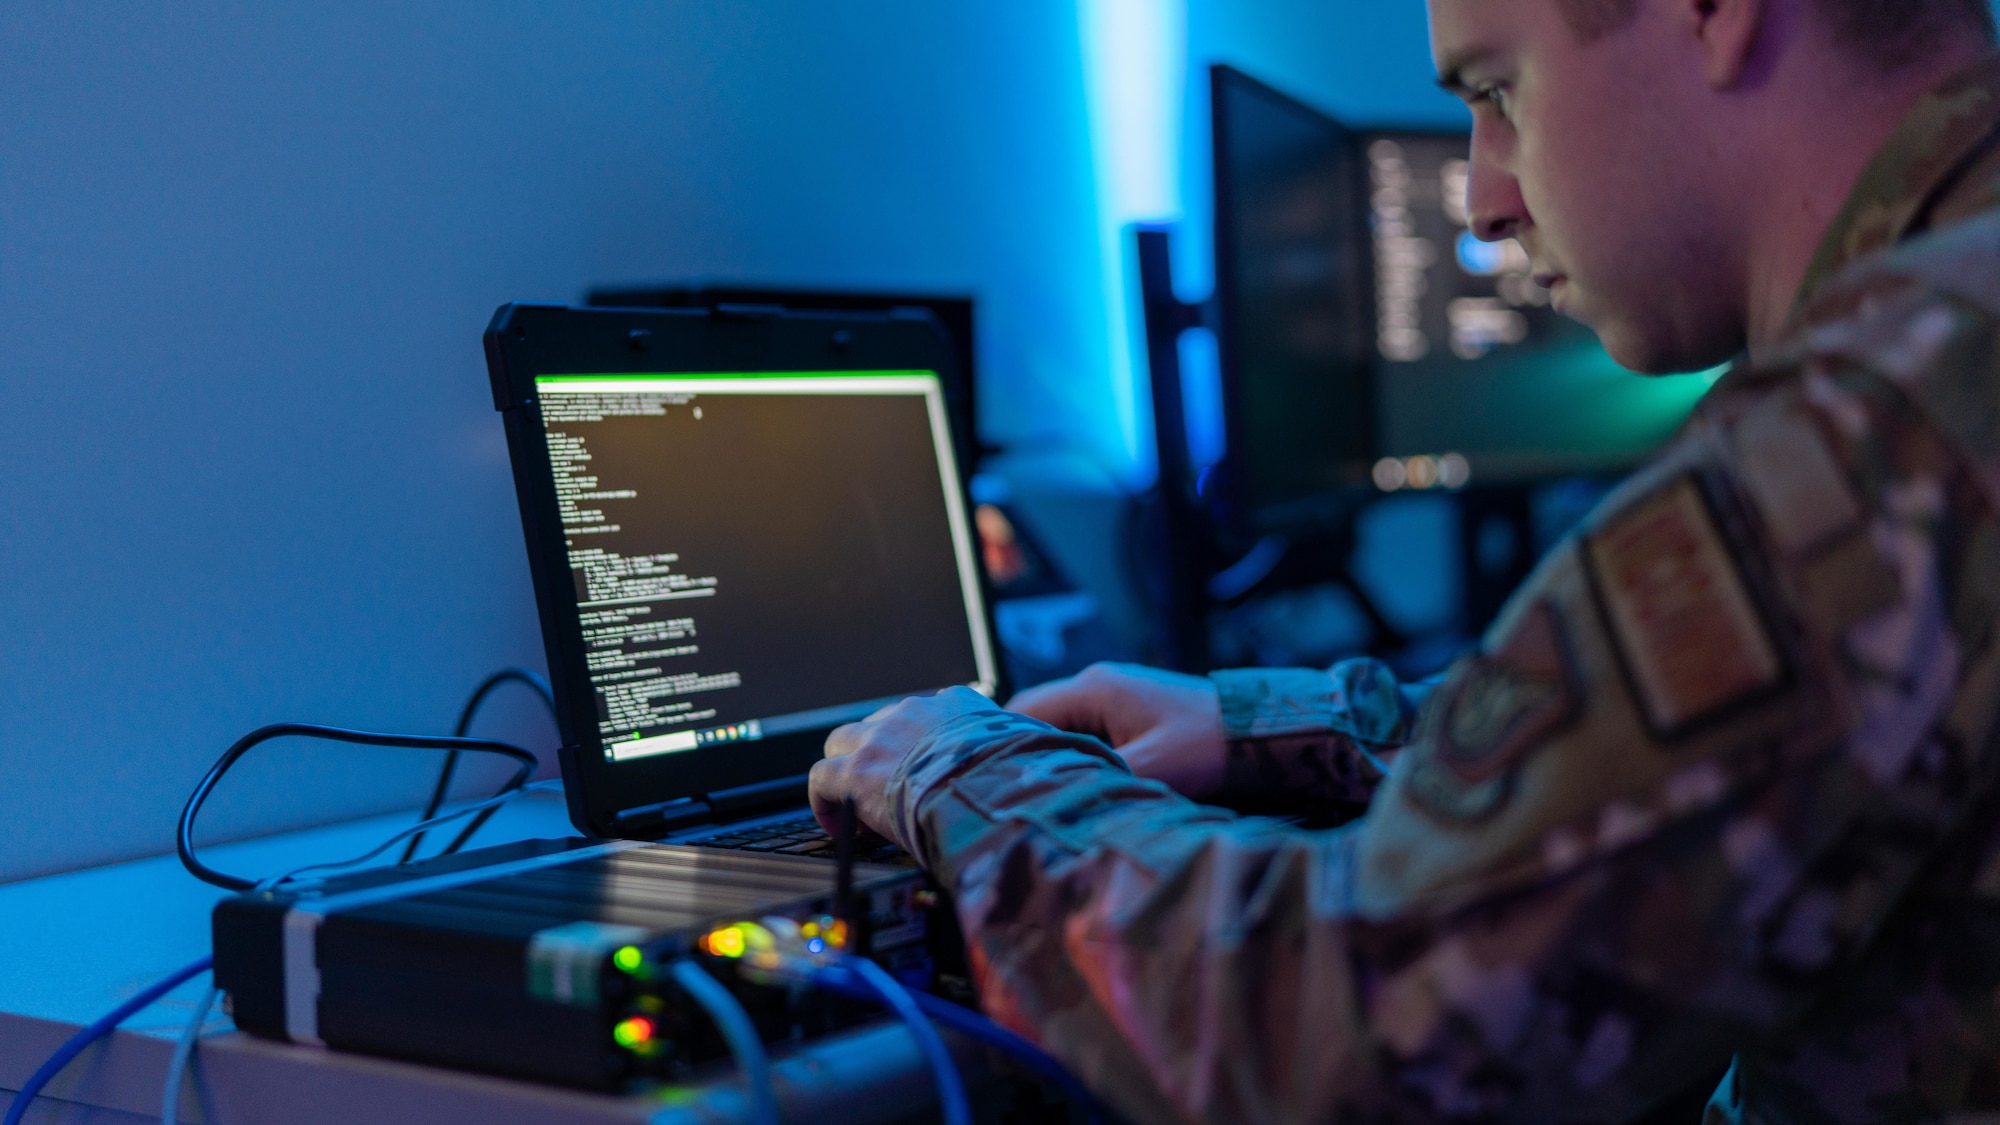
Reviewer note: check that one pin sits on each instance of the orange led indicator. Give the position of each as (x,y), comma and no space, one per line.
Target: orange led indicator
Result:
(725,942)
(633,1033)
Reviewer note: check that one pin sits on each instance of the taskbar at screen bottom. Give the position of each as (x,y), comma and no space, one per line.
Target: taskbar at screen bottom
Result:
(633,745)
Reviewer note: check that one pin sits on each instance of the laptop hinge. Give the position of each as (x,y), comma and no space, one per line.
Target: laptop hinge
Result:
(763,797)
(651,821)
(728,311)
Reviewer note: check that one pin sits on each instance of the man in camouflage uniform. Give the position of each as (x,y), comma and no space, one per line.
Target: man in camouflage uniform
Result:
(1722,780)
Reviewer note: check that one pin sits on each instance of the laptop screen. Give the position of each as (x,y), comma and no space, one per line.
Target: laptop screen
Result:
(761,553)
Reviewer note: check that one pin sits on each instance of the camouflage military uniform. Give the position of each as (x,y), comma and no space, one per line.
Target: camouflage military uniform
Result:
(1721,780)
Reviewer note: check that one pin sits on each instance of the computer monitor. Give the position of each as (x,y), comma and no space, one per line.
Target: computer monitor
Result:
(738,541)
(1369,342)
(1470,357)
(743,532)
(1294,293)
(956,315)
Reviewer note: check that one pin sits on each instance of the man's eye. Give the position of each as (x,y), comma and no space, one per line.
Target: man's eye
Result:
(1496,96)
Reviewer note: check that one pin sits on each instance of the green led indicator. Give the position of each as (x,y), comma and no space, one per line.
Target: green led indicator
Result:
(628,959)
(633,1033)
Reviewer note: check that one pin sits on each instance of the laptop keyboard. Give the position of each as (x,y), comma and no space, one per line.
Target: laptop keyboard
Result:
(799,835)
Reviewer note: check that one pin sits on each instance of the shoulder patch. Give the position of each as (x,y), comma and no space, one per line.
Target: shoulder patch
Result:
(1508,698)
(1691,637)
(1436,790)
(1500,705)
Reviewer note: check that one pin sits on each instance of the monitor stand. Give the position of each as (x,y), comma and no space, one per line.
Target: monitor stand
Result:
(1189,570)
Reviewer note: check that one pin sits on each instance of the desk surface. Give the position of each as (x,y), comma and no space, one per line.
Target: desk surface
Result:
(74,946)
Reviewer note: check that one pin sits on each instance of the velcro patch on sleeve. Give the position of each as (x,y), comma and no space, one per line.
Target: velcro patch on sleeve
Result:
(1691,637)
(1508,699)
(1498,708)
(1798,484)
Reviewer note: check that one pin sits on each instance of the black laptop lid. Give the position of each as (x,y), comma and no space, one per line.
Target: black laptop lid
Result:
(745,529)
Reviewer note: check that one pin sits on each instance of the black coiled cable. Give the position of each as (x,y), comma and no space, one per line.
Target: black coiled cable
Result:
(184,835)
(535,683)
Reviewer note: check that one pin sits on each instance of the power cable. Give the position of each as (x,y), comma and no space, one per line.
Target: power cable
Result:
(483,808)
(184,835)
(533,682)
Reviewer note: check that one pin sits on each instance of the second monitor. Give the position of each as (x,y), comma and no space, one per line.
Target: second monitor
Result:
(1365,332)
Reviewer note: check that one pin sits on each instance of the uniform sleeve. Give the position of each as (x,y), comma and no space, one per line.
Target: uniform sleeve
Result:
(1689,773)
(1311,735)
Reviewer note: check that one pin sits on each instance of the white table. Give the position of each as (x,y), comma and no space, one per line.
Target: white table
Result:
(74,946)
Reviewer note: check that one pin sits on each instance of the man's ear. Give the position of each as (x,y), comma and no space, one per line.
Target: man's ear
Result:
(1727,32)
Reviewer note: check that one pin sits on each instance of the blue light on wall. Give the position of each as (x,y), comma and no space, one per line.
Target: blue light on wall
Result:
(1135,67)
(1367,63)
(1201,397)
(1145,65)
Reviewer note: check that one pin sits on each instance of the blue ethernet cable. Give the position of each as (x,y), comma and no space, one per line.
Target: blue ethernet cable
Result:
(741,1035)
(170,1096)
(956,1109)
(104,1026)
(975,1026)
(77,1043)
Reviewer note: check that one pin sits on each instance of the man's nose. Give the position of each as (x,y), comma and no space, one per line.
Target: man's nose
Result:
(1494,203)
(1494,228)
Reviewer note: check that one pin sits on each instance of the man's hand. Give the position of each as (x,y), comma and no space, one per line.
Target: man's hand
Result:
(1167,727)
(862,757)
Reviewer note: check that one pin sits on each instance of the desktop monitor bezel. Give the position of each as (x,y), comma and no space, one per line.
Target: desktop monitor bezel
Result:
(1231,496)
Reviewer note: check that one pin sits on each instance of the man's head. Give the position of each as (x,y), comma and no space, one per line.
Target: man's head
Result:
(1670,164)
(1888,33)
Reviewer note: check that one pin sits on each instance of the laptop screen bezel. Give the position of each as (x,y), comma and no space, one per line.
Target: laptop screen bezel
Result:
(526,342)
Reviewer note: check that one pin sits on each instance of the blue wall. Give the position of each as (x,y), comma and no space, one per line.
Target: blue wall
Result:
(246,252)
(1366,63)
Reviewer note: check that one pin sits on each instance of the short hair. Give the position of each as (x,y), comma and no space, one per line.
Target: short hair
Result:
(1592,20)
(1892,33)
